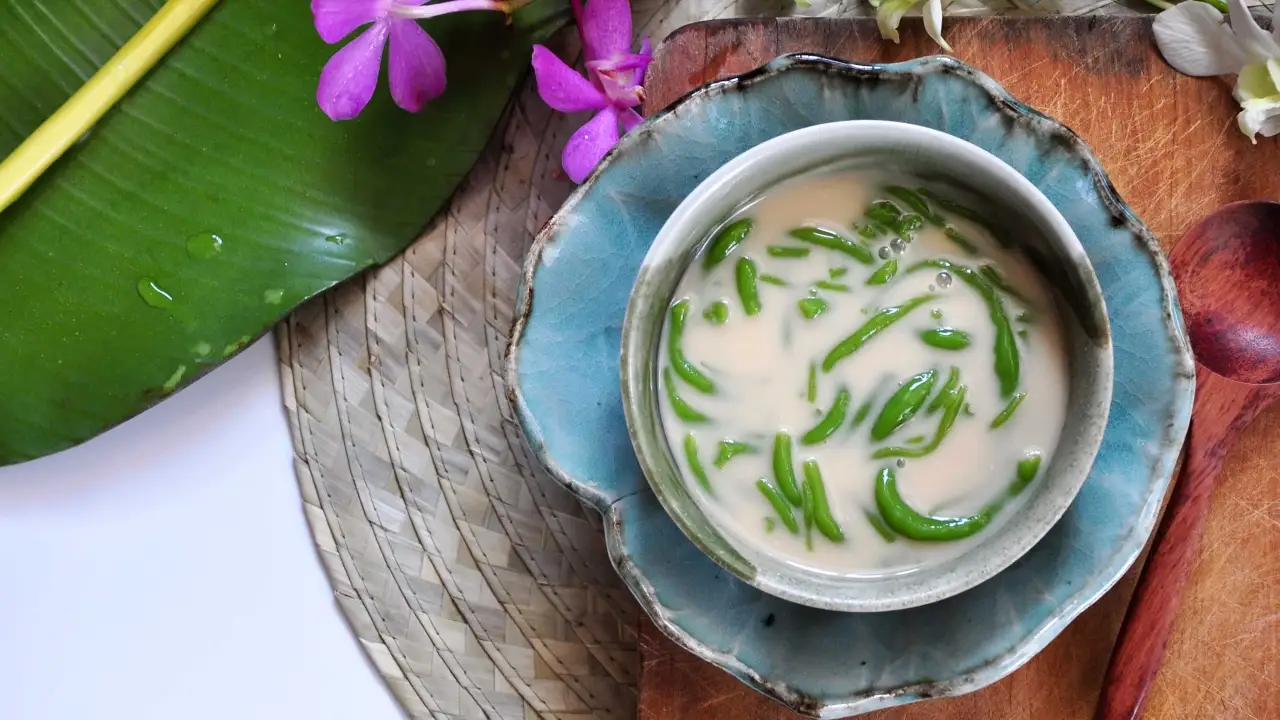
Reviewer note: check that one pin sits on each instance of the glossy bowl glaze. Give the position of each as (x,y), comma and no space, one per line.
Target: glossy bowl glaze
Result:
(1026,217)
(562,375)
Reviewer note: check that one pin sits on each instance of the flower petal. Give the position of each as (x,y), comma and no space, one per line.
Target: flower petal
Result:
(622,75)
(933,23)
(889,14)
(561,87)
(630,119)
(336,19)
(415,67)
(646,52)
(1256,42)
(605,28)
(1260,117)
(1195,40)
(620,92)
(628,61)
(590,144)
(816,8)
(351,75)
(1258,80)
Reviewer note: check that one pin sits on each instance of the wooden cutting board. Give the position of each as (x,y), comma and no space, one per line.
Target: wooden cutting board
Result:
(1171,146)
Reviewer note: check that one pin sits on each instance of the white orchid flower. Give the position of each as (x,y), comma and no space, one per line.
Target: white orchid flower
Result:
(1196,40)
(889,13)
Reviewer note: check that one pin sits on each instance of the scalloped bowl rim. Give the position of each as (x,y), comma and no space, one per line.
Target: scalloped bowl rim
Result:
(996,668)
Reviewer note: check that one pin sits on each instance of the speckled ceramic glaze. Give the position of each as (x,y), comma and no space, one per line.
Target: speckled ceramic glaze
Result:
(1030,221)
(563,375)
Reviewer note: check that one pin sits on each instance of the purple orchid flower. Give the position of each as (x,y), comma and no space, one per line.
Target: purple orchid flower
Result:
(416,65)
(612,84)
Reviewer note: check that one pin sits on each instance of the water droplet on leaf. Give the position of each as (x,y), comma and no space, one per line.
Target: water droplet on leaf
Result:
(234,347)
(273,296)
(172,383)
(154,295)
(338,239)
(204,246)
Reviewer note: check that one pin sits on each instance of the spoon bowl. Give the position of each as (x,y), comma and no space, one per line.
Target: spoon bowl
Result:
(1227,269)
(1228,274)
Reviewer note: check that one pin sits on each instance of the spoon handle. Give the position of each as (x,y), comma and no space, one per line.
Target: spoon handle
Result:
(1222,408)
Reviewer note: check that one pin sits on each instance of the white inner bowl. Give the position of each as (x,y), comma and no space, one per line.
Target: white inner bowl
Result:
(1040,232)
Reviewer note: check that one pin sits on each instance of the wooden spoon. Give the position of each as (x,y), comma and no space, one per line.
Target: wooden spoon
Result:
(1228,274)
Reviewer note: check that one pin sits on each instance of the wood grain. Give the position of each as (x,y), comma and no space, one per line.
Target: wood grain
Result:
(1227,269)
(1171,147)
(1223,408)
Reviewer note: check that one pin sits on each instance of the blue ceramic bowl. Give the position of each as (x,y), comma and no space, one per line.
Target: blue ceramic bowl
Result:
(563,375)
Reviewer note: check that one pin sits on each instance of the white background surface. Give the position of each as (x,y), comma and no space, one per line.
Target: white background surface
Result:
(164,570)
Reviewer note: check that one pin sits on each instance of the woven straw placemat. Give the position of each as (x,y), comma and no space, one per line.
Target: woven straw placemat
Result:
(478,587)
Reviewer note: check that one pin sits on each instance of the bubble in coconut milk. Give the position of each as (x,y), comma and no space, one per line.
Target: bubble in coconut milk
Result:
(944,279)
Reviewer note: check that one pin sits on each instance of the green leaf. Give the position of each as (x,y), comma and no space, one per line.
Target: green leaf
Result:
(222,138)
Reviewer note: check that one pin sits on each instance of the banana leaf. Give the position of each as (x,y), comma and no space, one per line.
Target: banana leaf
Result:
(114,291)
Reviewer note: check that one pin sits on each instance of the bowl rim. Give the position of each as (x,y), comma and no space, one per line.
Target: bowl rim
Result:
(1155,476)
(788,581)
